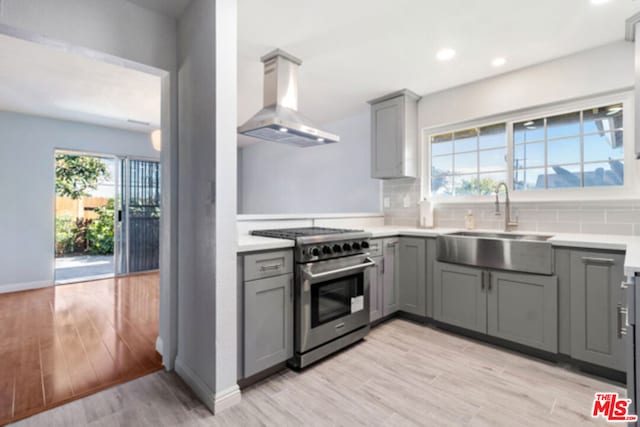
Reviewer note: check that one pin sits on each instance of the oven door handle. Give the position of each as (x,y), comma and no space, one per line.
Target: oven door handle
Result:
(369,263)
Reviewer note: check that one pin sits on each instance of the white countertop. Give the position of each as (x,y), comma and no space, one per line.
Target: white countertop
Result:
(630,244)
(248,243)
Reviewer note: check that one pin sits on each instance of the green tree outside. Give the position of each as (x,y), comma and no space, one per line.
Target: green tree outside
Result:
(76,175)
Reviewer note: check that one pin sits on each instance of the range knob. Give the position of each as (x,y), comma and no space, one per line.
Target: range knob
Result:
(337,249)
(326,250)
(314,251)
(346,247)
(365,245)
(356,246)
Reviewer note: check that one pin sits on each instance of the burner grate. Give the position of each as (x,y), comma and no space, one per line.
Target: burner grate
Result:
(293,233)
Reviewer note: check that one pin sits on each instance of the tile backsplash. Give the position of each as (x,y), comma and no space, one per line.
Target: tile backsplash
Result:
(619,217)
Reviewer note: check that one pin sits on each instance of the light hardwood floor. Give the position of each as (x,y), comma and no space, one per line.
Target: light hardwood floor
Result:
(403,374)
(62,343)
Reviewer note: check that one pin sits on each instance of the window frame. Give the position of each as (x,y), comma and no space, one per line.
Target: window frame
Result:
(625,191)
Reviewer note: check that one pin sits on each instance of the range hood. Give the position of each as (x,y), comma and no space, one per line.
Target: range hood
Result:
(279,120)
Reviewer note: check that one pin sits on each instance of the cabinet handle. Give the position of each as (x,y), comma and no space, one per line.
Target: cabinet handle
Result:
(392,244)
(622,321)
(482,278)
(488,280)
(382,267)
(593,260)
(271,267)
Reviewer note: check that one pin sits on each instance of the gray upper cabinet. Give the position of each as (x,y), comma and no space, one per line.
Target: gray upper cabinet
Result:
(458,296)
(375,289)
(523,308)
(394,135)
(596,297)
(413,275)
(268,323)
(390,280)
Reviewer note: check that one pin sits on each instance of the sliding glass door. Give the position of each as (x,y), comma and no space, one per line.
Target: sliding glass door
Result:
(138,217)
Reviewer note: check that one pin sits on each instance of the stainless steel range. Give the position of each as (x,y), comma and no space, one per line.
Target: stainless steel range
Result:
(331,289)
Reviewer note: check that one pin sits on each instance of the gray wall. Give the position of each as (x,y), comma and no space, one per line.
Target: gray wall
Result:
(27,175)
(334,178)
(592,72)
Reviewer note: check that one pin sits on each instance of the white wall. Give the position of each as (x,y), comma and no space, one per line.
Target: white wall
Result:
(207,348)
(592,72)
(595,71)
(333,178)
(27,179)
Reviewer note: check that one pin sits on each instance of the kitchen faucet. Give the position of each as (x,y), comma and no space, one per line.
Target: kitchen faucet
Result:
(508,224)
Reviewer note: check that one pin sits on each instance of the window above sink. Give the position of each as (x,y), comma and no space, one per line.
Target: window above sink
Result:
(573,151)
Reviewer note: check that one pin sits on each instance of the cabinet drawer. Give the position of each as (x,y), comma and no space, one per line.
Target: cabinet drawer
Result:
(375,247)
(267,264)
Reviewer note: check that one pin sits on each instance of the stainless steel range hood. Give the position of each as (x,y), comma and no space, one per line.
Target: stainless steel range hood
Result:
(279,120)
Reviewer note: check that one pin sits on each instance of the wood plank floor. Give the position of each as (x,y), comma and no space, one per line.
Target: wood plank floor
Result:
(403,374)
(65,342)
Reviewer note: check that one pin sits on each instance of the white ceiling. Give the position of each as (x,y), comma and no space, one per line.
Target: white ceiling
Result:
(172,8)
(44,81)
(356,50)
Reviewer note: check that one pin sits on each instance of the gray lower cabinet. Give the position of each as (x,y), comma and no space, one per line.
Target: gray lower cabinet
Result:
(458,296)
(596,297)
(413,275)
(268,323)
(390,280)
(375,289)
(523,308)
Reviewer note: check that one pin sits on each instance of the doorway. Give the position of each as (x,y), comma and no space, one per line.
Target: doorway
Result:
(107,216)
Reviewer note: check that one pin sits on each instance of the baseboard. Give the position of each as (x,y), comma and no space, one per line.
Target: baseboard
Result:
(216,402)
(26,286)
(227,398)
(159,345)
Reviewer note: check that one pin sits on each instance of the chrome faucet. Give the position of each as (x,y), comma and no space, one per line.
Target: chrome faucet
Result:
(508,224)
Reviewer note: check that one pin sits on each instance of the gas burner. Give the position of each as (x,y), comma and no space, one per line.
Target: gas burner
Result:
(294,233)
(321,243)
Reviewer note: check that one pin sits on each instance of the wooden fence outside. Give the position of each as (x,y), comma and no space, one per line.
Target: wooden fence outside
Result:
(82,208)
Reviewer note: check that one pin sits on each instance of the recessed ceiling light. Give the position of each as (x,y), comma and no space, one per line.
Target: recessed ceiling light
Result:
(498,62)
(284,130)
(600,1)
(320,139)
(445,54)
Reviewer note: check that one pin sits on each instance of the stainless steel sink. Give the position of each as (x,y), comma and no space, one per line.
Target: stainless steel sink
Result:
(508,236)
(529,253)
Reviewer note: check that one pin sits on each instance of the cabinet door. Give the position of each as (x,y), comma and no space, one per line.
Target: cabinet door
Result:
(375,289)
(523,308)
(268,323)
(459,297)
(387,135)
(595,296)
(413,276)
(390,282)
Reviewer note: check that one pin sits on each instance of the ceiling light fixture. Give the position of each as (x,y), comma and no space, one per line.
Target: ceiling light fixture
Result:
(498,62)
(445,54)
(320,139)
(156,139)
(284,130)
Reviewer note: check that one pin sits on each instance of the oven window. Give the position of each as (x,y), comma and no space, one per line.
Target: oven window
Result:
(331,300)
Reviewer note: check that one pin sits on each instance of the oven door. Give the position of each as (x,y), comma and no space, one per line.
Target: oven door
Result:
(333,300)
